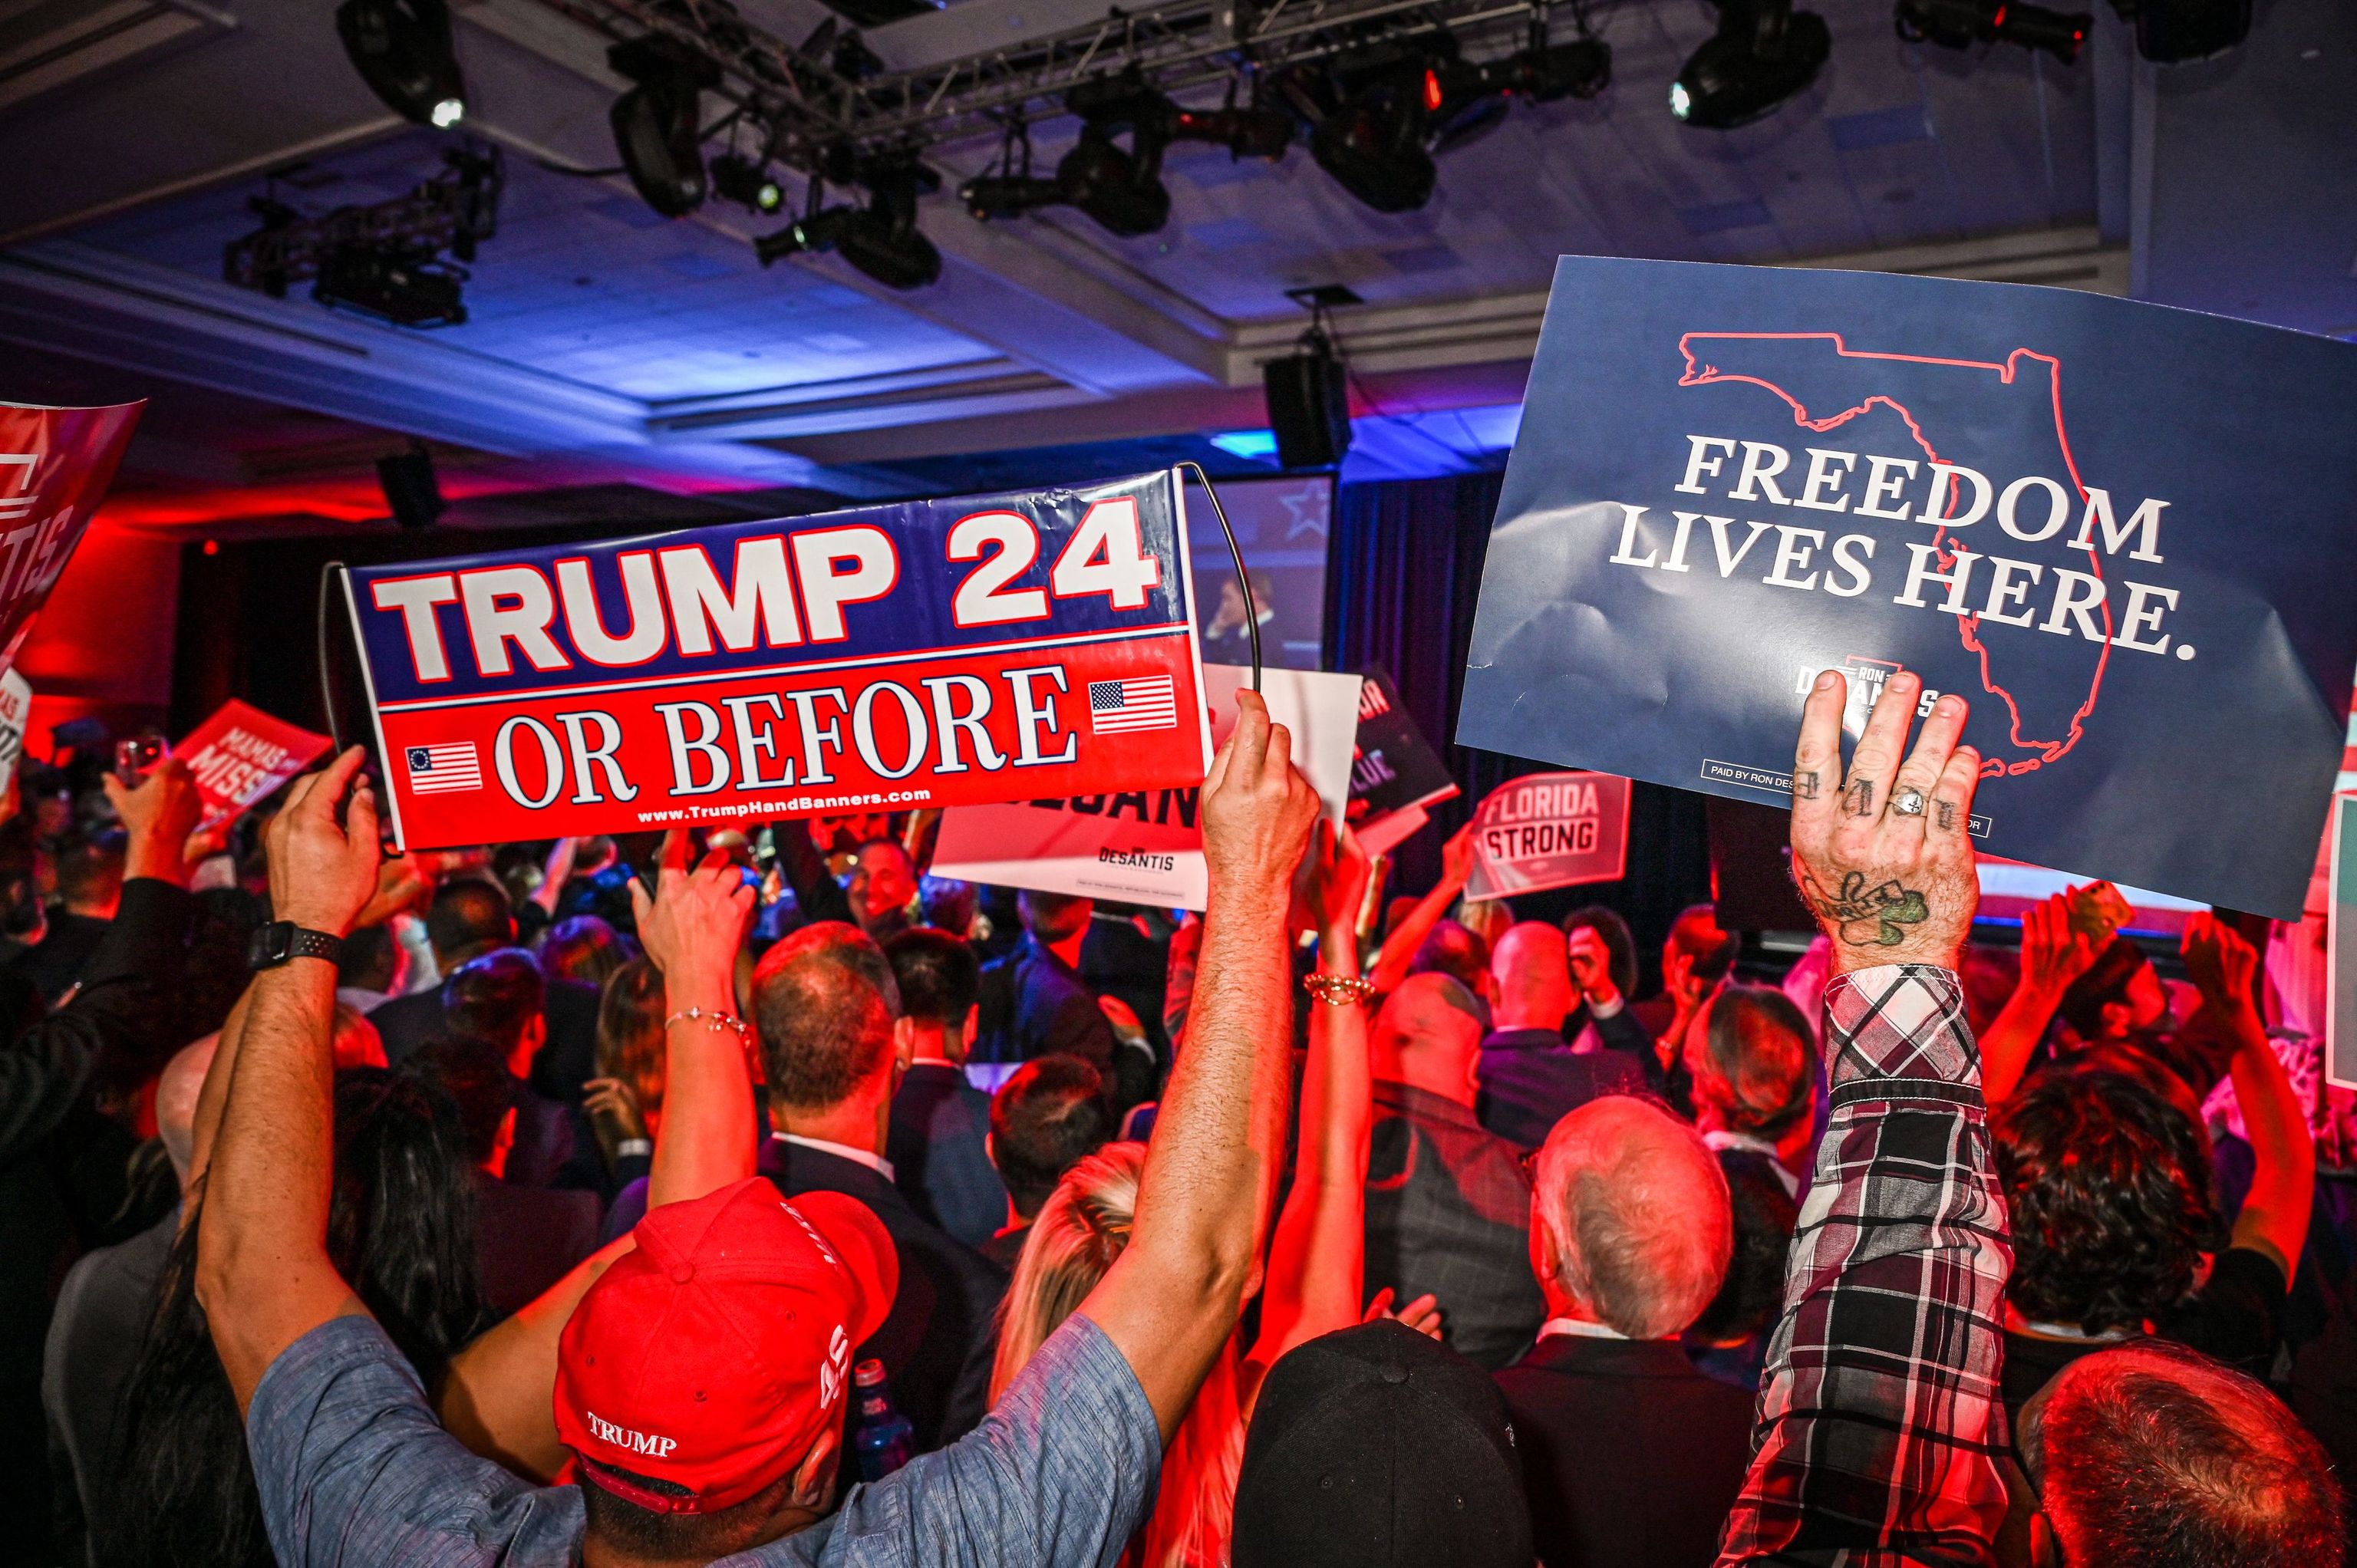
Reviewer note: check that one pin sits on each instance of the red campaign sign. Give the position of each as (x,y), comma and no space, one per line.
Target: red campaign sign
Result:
(55,466)
(242,754)
(1550,829)
(930,653)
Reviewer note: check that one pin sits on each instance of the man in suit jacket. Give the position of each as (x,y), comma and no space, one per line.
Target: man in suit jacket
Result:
(1033,1001)
(1630,1457)
(1530,1079)
(826,1006)
(1447,1204)
(468,918)
(939,1141)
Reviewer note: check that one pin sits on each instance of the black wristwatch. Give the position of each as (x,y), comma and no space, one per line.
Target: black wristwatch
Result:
(276,943)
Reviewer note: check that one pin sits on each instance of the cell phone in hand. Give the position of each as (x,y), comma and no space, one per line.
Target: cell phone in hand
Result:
(136,756)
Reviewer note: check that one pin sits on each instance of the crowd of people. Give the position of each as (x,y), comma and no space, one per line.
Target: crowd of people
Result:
(763,1199)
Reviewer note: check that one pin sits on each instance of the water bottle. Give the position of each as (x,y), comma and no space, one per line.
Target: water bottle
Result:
(886,1440)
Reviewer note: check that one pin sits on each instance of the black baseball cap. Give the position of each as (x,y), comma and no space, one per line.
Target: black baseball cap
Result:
(1379,1445)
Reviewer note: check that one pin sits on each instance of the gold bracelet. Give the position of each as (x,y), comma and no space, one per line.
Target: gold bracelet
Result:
(1338,990)
(713,1018)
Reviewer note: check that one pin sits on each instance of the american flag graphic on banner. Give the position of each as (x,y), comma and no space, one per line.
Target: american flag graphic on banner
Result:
(1149,701)
(440,769)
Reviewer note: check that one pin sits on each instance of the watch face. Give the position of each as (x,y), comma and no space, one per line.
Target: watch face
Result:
(272,944)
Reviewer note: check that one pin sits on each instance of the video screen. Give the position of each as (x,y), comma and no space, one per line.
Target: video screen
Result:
(2008,886)
(1281,526)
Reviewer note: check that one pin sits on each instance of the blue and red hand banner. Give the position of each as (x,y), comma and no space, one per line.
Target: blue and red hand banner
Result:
(925,653)
(2125,533)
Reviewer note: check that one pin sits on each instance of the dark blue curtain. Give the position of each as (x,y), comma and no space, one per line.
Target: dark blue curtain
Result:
(1402,573)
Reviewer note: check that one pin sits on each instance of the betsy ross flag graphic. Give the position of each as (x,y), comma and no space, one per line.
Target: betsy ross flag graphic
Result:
(439,770)
(1146,703)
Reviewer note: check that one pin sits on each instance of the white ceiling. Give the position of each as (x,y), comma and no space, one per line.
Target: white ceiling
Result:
(661,352)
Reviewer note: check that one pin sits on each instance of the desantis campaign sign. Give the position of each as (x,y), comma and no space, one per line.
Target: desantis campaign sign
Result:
(1550,829)
(242,754)
(55,466)
(930,653)
(2127,533)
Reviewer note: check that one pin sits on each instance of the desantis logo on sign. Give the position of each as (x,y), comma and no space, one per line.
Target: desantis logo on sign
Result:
(1550,829)
(933,653)
(2123,532)
(55,466)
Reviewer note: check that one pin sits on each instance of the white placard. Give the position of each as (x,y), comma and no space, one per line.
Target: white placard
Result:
(16,712)
(1146,846)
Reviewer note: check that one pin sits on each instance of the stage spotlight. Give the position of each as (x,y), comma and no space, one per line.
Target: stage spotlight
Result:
(400,289)
(1960,23)
(1249,132)
(1008,194)
(1373,141)
(2170,32)
(1763,53)
(657,127)
(745,181)
(402,50)
(880,239)
(1122,190)
(1546,73)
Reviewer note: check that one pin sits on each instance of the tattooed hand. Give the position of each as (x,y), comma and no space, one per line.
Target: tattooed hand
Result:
(1887,885)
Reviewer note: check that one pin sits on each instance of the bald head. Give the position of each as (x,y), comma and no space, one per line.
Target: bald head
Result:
(1429,1034)
(176,1100)
(1630,1223)
(1530,979)
(2152,1454)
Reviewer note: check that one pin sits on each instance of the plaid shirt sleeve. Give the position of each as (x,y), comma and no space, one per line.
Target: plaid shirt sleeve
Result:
(1880,1421)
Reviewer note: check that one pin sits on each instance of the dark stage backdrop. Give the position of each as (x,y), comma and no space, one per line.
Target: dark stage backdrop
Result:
(1403,570)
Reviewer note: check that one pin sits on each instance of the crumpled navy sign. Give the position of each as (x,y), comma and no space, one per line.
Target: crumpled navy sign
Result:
(2127,533)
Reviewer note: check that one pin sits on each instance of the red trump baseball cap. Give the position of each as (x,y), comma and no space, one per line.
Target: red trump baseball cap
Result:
(718,1353)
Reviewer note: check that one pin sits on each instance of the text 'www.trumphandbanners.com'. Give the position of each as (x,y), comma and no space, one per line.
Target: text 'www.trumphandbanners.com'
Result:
(790,803)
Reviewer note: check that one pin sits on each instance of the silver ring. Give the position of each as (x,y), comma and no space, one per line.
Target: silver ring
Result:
(1908,802)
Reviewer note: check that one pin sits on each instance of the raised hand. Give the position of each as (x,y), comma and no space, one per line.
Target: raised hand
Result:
(1423,1314)
(1257,807)
(1456,859)
(322,872)
(693,923)
(1883,855)
(1332,879)
(2219,962)
(160,816)
(2056,947)
(1591,966)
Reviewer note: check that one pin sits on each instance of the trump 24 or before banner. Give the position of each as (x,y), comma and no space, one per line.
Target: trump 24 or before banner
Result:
(926,653)
(2127,533)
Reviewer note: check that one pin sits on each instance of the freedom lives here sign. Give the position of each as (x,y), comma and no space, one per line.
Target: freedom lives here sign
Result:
(927,654)
(2127,533)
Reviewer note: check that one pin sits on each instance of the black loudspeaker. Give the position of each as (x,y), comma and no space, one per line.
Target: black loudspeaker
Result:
(410,488)
(1308,407)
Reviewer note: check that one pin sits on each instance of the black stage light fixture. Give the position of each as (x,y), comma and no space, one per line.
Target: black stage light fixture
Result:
(1373,141)
(1763,53)
(402,50)
(399,288)
(880,239)
(657,125)
(1008,194)
(1960,23)
(746,182)
(1548,73)
(411,490)
(1254,132)
(1120,187)
(2170,32)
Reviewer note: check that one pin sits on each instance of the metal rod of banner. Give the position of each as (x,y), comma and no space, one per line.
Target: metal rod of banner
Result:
(326,685)
(1243,583)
